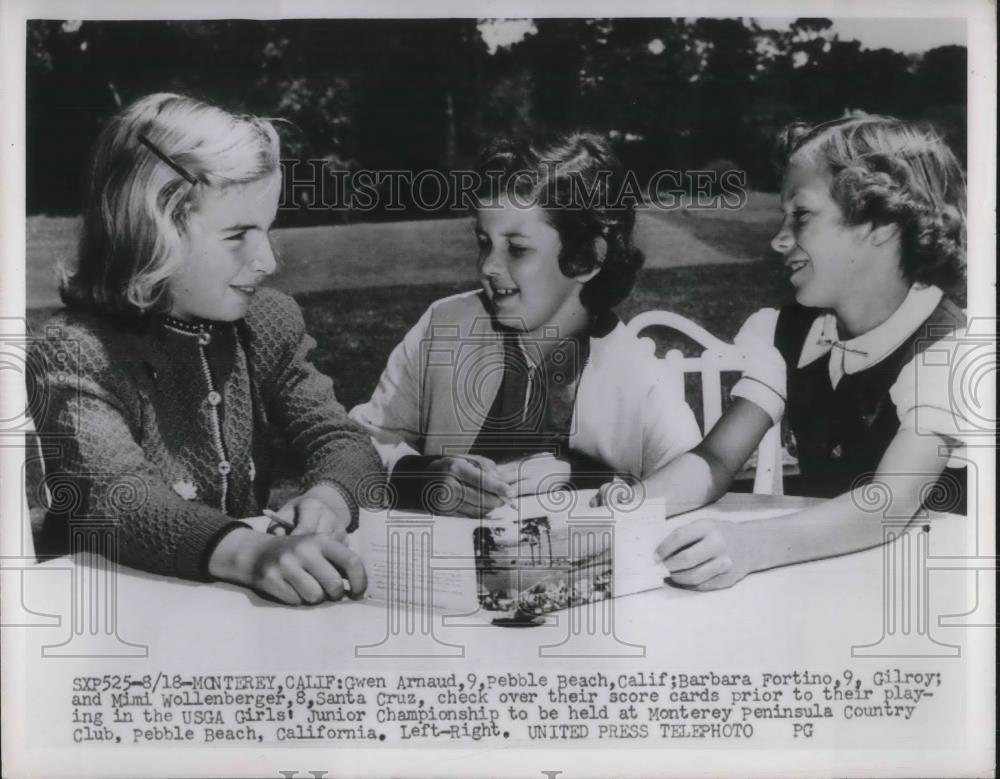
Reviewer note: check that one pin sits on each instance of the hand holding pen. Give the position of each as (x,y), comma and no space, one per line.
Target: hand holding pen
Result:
(466,485)
(281,525)
(537,473)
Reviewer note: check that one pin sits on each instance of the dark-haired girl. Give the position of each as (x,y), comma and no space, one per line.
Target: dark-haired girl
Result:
(531,381)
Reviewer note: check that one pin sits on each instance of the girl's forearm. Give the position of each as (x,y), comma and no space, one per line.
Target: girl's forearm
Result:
(835,527)
(853,521)
(687,483)
(705,473)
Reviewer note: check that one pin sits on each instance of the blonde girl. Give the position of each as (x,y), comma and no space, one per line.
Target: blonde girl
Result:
(872,233)
(172,363)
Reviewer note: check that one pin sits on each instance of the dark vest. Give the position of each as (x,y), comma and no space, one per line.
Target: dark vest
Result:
(531,417)
(841,434)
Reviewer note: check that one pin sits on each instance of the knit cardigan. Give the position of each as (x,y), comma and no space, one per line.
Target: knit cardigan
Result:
(165,427)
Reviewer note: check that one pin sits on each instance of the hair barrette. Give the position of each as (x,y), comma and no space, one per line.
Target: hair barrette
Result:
(166,160)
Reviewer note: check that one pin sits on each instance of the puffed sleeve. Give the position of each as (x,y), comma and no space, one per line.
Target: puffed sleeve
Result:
(764,377)
(97,469)
(392,416)
(332,447)
(934,394)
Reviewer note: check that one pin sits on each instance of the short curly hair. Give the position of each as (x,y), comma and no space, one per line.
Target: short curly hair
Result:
(889,171)
(580,184)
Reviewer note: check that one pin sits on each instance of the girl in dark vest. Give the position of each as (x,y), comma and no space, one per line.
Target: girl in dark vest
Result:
(859,367)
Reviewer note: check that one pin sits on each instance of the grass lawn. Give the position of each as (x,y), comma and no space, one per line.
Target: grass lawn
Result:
(359,256)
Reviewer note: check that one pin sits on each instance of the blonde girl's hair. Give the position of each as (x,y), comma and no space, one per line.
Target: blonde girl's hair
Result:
(890,171)
(149,169)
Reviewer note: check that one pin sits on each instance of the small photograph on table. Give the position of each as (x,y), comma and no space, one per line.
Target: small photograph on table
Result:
(528,568)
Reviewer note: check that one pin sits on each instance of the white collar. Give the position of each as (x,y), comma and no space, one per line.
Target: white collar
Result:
(867,349)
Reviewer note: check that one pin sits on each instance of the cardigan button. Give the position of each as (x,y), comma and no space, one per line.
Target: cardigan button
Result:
(214,398)
(225,467)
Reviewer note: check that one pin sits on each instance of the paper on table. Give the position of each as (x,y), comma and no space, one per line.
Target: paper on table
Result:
(637,568)
(432,555)
(636,531)
(543,553)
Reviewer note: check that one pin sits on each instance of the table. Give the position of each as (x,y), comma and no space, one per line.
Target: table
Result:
(836,616)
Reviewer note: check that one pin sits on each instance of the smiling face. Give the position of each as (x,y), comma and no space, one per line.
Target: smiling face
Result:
(827,261)
(228,251)
(519,270)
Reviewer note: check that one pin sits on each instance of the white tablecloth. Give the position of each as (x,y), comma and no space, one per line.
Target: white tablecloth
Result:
(810,618)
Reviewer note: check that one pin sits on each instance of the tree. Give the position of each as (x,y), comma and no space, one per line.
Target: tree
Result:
(942,84)
(530,536)
(418,93)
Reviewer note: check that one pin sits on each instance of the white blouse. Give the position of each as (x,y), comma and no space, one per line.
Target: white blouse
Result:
(627,414)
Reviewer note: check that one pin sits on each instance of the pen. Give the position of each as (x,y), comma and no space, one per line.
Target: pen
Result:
(479,466)
(278,519)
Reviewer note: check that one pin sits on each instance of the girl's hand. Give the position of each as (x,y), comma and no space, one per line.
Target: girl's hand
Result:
(708,554)
(535,474)
(294,570)
(466,486)
(320,509)
(619,493)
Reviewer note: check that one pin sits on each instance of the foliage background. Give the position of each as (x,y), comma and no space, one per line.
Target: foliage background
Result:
(426,94)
